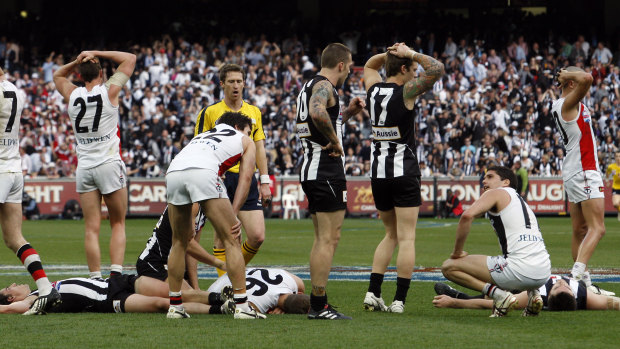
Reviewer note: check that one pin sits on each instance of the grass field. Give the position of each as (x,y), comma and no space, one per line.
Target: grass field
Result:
(289,243)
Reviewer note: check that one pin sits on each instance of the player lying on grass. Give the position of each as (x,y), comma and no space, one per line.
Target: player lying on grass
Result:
(559,293)
(151,265)
(273,291)
(114,295)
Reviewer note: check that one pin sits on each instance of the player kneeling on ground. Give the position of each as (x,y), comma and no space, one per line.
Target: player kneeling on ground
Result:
(524,263)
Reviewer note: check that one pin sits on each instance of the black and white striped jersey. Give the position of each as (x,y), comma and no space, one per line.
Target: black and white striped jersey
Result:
(579,290)
(158,246)
(82,295)
(393,128)
(317,164)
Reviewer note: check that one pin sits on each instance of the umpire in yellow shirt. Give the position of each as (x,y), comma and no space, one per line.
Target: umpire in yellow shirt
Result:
(232,81)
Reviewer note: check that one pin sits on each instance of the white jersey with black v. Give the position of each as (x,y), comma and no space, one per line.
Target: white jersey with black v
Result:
(11,105)
(264,286)
(95,125)
(317,164)
(217,150)
(520,238)
(393,129)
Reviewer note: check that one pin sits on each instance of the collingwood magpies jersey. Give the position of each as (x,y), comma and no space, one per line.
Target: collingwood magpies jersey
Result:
(520,238)
(393,130)
(579,290)
(158,246)
(317,164)
(93,295)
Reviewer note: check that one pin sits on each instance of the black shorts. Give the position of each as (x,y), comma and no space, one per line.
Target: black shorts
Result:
(615,192)
(326,195)
(252,203)
(396,192)
(119,289)
(151,269)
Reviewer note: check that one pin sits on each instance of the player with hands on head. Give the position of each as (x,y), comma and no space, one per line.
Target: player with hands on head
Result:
(93,110)
(580,170)
(395,171)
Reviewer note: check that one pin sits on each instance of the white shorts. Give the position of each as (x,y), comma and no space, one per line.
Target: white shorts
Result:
(194,185)
(509,278)
(107,177)
(11,187)
(584,186)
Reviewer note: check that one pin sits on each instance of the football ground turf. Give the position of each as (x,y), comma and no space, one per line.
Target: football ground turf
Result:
(288,243)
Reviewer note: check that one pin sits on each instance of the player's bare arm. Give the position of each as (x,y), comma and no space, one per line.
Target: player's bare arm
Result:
(582,81)
(371,69)
(355,107)
(433,70)
(63,85)
(320,100)
(494,199)
(126,62)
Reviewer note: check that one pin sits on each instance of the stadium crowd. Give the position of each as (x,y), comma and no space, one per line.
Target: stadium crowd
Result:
(491,107)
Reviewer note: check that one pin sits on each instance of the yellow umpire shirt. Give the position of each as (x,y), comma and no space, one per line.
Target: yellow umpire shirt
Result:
(614,170)
(209,115)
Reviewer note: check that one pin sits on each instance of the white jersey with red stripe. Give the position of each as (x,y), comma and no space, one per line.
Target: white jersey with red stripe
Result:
(95,124)
(217,149)
(11,105)
(579,140)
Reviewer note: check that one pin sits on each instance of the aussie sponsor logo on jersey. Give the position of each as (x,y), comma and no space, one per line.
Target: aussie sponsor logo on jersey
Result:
(587,190)
(386,133)
(218,187)
(601,189)
(303,130)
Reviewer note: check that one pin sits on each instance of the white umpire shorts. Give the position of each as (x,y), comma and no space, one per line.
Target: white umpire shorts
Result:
(194,185)
(107,177)
(11,187)
(507,277)
(584,186)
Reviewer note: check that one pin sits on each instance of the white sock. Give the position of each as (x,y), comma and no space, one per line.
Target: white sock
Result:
(95,274)
(587,279)
(179,307)
(44,286)
(578,270)
(117,268)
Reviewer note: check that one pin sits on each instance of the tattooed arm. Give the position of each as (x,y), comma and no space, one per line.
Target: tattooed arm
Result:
(321,97)
(433,70)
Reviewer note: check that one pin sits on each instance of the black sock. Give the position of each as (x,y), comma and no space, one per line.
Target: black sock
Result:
(376,280)
(402,287)
(318,302)
(215,309)
(115,273)
(215,299)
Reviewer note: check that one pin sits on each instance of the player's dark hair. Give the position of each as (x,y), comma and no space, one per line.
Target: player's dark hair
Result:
(89,70)
(393,64)
(236,120)
(297,304)
(4,299)
(562,301)
(333,54)
(230,67)
(505,173)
